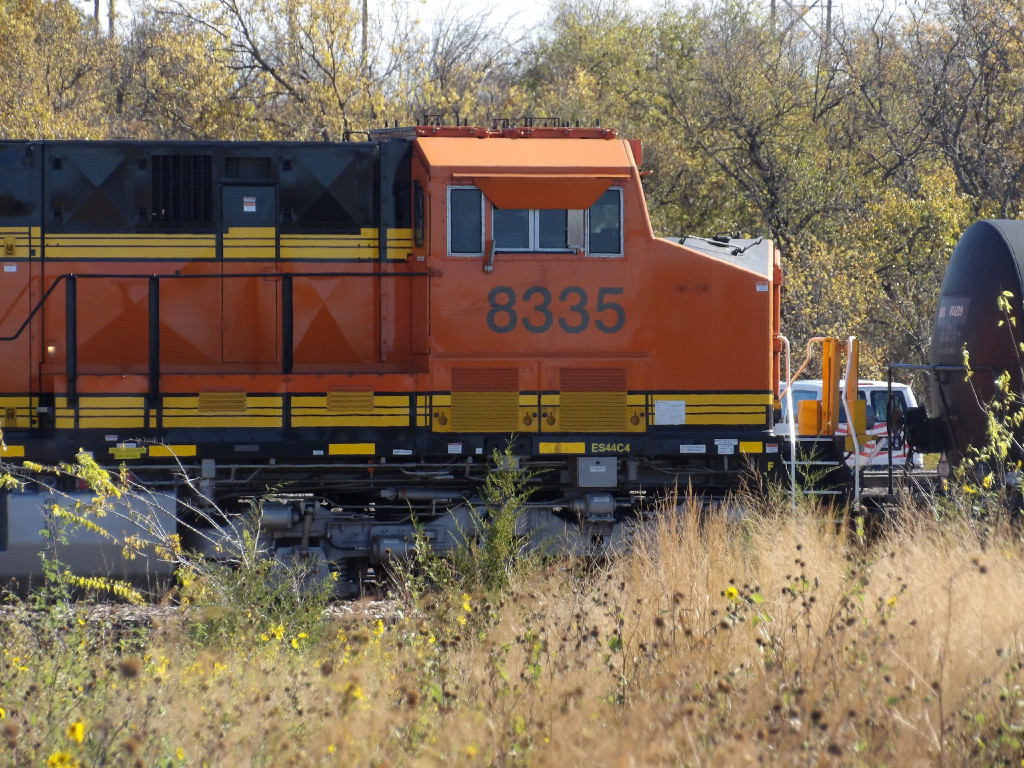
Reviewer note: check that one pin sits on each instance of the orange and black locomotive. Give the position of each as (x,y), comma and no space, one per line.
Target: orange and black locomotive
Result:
(363,323)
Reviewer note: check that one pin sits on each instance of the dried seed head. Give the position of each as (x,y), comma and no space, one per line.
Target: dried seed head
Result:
(130,667)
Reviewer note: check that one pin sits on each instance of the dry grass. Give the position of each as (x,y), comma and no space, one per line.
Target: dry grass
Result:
(778,640)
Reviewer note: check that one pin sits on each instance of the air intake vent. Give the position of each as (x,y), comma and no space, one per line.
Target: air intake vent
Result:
(592,379)
(183,188)
(485,380)
(248,168)
(222,402)
(350,403)
(592,399)
(485,400)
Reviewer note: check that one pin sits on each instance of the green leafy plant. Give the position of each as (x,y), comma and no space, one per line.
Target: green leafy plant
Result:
(496,552)
(240,592)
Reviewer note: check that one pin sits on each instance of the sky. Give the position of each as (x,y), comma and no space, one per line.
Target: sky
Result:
(527,15)
(530,14)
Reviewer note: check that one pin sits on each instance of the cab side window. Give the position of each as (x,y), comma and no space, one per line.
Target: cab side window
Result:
(595,232)
(605,224)
(531,230)
(465,221)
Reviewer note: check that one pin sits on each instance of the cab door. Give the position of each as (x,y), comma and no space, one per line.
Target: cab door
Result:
(249,216)
(250,251)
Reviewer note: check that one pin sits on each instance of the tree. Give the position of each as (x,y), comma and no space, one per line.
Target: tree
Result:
(54,71)
(175,83)
(313,68)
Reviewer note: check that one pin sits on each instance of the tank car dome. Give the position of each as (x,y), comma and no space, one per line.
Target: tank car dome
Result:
(987,261)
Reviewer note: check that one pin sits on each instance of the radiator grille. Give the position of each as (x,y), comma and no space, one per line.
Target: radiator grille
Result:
(183,188)
(485,399)
(222,402)
(350,403)
(485,380)
(592,379)
(592,399)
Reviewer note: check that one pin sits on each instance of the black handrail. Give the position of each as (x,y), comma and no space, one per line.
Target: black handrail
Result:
(71,315)
(122,276)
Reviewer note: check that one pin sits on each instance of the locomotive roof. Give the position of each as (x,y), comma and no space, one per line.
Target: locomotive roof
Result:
(547,172)
(534,156)
(753,254)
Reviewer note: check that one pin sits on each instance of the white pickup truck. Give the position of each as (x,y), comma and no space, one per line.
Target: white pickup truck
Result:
(875,450)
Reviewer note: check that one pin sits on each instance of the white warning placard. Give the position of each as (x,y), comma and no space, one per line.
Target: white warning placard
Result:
(248,204)
(669,412)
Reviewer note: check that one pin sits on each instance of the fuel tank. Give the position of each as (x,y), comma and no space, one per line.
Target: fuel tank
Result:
(986,265)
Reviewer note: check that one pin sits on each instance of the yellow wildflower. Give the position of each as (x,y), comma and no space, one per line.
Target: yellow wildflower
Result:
(465,603)
(732,593)
(62,759)
(76,731)
(3,714)
(295,643)
(891,602)
(986,483)
(179,753)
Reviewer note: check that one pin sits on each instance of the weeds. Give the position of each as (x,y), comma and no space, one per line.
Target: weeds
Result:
(780,639)
(783,638)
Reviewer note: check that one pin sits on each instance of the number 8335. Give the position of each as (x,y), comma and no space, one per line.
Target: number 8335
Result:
(538,309)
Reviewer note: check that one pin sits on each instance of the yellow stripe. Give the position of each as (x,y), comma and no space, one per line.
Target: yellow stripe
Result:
(563,448)
(12,451)
(350,421)
(725,418)
(150,241)
(164,451)
(111,412)
(92,401)
(170,247)
(724,408)
(751,447)
(352,449)
(103,422)
(191,402)
(222,421)
(327,246)
(716,399)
